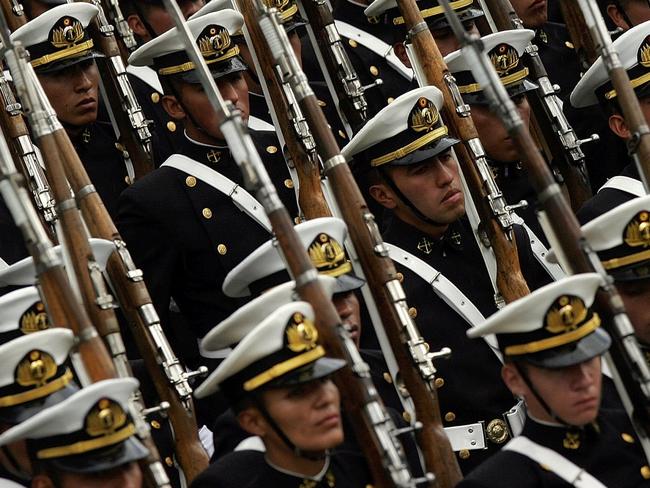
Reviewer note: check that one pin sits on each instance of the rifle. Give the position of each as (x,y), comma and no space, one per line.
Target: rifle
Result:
(88,275)
(361,402)
(336,65)
(628,360)
(548,118)
(494,212)
(134,134)
(23,151)
(583,44)
(410,350)
(290,121)
(126,38)
(14,13)
(638,146)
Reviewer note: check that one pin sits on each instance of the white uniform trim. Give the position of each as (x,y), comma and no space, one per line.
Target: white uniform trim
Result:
(240,197)
(3,264)
(626,184)
(555,462)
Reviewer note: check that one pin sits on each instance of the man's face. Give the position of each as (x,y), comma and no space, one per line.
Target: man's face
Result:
(198,112)
(160,21)
(125,476)
(347,306)
(74,93)
(617,122)
(637,12)
(572,393)
(446,40)
(497,143)
(533,13)
(308,414)
(433,186)
(636,296)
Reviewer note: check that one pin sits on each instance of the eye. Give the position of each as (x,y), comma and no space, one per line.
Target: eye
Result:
(519,99)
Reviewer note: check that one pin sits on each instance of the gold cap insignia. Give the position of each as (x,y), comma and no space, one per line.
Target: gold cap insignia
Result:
(328,255)
(213,41)
(105,418)
(565,315)
(302,334)
(66,32)
(504,58)
(279,4)
(34,319)
(637,231)
(35,369)
(643,55)
(424,115)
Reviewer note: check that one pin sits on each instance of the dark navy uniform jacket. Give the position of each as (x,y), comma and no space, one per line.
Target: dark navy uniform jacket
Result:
(470,387)
(186,236)
(249,469)
(12,245)
(607,450)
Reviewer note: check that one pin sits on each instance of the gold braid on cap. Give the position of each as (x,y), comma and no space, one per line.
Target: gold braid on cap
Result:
(430,12)
(637,234)
(328,256)
(643,57)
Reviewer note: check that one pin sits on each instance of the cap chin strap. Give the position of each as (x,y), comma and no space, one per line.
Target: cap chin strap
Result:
(539,398)
(311,455)
(407,202)
(14,467)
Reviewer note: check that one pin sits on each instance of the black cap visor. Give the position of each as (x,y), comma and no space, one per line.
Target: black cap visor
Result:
(348,282)
(321,368)
(440,22)
(102,459)
(634,272)
(56,66)
(590,346)
(19,413)
(432,150)
(218,70)
(514,90)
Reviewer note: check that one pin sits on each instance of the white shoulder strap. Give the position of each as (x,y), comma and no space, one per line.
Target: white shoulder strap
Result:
(626,184)
(240,197)
(555,462)
(444,288)
(146,74)
(3,264)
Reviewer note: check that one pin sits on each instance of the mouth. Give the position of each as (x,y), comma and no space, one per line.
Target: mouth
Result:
(353,330)
(330,421)
(87,103)
(585,403)
(452,196)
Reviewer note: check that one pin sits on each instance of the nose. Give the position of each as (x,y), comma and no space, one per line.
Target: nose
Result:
(228,91)
(326,393)
(583,375)
(343,305)
(82,80)
(444,174)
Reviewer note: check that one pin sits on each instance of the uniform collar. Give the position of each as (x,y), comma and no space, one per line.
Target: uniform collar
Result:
(561,438)
(325,472)
(414,240)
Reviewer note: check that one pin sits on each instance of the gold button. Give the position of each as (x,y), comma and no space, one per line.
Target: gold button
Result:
(439,382)
(171,126)
(450,416)
(222,249)
(374,71)
(400,277)
(271,149)
(352,43)
(169,461)
(342,134)
(321,103)
(390,100)
(463,454)
(207,213)
(288,183)
(190,181)
(155,424)
(627,438)
(569,44)
(296,220)
(497,431)
(128,180)
(155,97)
(387,377)
(645,472)
(407,417)
(413,312)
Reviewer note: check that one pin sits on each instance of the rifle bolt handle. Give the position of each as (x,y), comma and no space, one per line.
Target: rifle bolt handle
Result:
(161,407)
(202,371)
(591,138)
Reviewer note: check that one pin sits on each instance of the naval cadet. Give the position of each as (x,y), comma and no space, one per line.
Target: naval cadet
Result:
(625,14)
(404,152)
(595,88)
(278,381)
(504,49)
(87,440)
(63,57)
(34,375)
(190,222)
(552,345)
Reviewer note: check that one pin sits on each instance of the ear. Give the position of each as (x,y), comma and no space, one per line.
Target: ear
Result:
(173,107)
(42,481)
(618,126)
(137,26)
(252,421)
(616,15)
(383,195)
(400,52)
(513,380)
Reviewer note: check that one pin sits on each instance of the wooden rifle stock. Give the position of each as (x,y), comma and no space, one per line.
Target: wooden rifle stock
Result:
(569,160)
(510,280)
(135,300)
(120,97)
(580,38)
(14,13)
(310,195)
